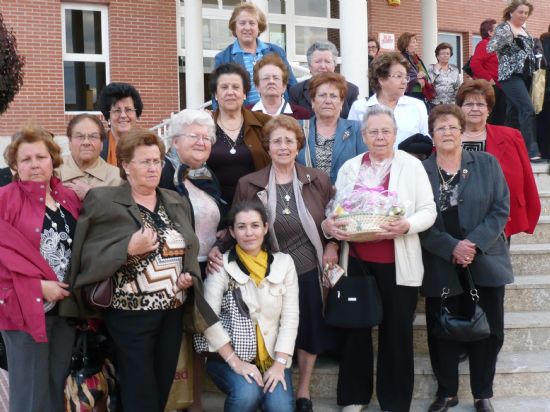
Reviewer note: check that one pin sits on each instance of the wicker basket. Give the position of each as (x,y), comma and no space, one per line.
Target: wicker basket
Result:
(363,227)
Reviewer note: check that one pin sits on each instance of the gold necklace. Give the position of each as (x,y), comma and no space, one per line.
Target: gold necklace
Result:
(227,128)
(445,183)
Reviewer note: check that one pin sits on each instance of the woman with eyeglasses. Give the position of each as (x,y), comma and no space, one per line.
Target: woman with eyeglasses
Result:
(388,77)
(121,106)
(83,168)
(446,76)
(477,99)
(330,140)
(144,239)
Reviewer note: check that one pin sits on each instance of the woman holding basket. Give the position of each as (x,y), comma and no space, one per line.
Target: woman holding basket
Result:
(394,259)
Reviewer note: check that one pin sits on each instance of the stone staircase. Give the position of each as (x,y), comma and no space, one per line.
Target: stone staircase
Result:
(522,381)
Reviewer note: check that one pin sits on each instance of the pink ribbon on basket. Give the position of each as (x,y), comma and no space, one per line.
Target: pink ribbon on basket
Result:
(358,192)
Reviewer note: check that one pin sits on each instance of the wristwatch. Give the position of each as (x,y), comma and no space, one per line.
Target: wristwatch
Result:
(281,360)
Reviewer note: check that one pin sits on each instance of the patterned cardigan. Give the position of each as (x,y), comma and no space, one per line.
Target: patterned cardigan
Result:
(511,56)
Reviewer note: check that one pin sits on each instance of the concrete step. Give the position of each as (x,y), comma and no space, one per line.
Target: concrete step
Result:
(213,402)
(527,293)
(523,374)
(544,203)
(524,332)
(540,235)
(541,172)
(530,259)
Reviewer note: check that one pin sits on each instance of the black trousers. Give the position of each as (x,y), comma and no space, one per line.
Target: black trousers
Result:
(498,114)
(395,364)
(147,346)
(482,354)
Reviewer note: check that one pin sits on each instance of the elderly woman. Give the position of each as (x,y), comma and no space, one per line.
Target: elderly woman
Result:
(445,76)
(516,63)
(472,209)
(388,78)
(321,58)
(149,250)
(476,98)
(83,168)
(267,282)
(37,219)
(295,198)
(246,23)
(330,139)
(271,79)
(395,261)
(419,84)
(121,106)
(238,150)
(485,66)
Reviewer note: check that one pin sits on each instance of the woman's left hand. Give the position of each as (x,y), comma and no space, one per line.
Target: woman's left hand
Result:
(330,255)
(274,375)
(184,281)
(394,229)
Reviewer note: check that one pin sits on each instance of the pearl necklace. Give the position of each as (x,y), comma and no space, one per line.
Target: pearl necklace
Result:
(54,224)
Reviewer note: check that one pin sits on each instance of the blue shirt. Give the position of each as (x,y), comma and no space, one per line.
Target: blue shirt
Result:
(249,61)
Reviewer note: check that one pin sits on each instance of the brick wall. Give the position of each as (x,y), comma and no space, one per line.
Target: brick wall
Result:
(143,51)
(456,16)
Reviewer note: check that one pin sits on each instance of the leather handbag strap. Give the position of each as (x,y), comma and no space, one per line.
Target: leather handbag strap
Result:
(473,291)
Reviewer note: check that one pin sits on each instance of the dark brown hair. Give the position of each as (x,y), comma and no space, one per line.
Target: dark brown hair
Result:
(380,68)
(328,77)
(229,68)
(485,27)
(78,118)
(480,87)
(284,122)
(443,110)
(404,40)
(443,46)
(32,134)
(136,137)
(273,59)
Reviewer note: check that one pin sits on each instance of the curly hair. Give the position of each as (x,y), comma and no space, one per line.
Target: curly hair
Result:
(113,92)
(229,68)
(444,110)
(380,68)
(334,79)
(274,60)
(137,136)
(252,9)
(480,87)
(282,121)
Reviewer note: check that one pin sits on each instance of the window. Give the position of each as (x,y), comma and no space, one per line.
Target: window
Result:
(475,41)
(85,55)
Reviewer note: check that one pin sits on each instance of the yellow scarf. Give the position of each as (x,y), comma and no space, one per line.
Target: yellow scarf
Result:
(257,266)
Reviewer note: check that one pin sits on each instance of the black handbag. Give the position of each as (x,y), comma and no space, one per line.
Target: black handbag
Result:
(354,302)
(462,328)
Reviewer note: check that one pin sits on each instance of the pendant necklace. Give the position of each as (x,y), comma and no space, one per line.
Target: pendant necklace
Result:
(286,197)
(229,141)
(445,183)
(54,224)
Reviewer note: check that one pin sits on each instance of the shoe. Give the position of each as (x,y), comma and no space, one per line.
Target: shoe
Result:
(442,404)
(304,405)
(536,159)
(483,405)
(353,408)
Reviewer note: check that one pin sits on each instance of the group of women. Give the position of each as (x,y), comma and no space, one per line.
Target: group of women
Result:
(239,201)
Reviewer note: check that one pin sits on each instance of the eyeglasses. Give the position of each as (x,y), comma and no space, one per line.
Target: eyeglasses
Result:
(471,105)
(400,77)
(286,141)
(196,138)
(92,137)
(275,77)
(377,132)
(443,129)
(128,111)
(146,164)
(326,96)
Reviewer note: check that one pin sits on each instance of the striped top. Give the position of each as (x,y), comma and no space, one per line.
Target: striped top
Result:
(250,61)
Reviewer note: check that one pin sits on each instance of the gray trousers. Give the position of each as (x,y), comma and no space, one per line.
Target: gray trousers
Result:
(37,371)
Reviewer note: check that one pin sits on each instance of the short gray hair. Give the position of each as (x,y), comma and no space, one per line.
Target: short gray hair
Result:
(322,45)
(378,110)
(179,122)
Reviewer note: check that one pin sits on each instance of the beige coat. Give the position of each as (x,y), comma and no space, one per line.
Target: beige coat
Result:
(273,305)
(100,174)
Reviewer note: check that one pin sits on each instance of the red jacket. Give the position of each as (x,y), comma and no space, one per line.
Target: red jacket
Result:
(508,146)
(484,64)
(22,209)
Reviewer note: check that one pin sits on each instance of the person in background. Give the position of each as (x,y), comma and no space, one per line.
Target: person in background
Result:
(374,48)
(446,77)
(37,221)
(485,66)
(192,134)
(395,261)
(121,106)
(246,23)
(514,47)
(419,84)
(388,79)
(472,201)
(543,118)
(83,168)
(321,58)
(6,176)
(147,246)
(268,284)
(330,139)
(476,99)
(271,79)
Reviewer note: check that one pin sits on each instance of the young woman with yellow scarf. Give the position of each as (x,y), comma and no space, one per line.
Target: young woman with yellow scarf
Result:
(269,287)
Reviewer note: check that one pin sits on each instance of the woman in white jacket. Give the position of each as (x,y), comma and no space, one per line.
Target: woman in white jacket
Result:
(268,284)
(394,259)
